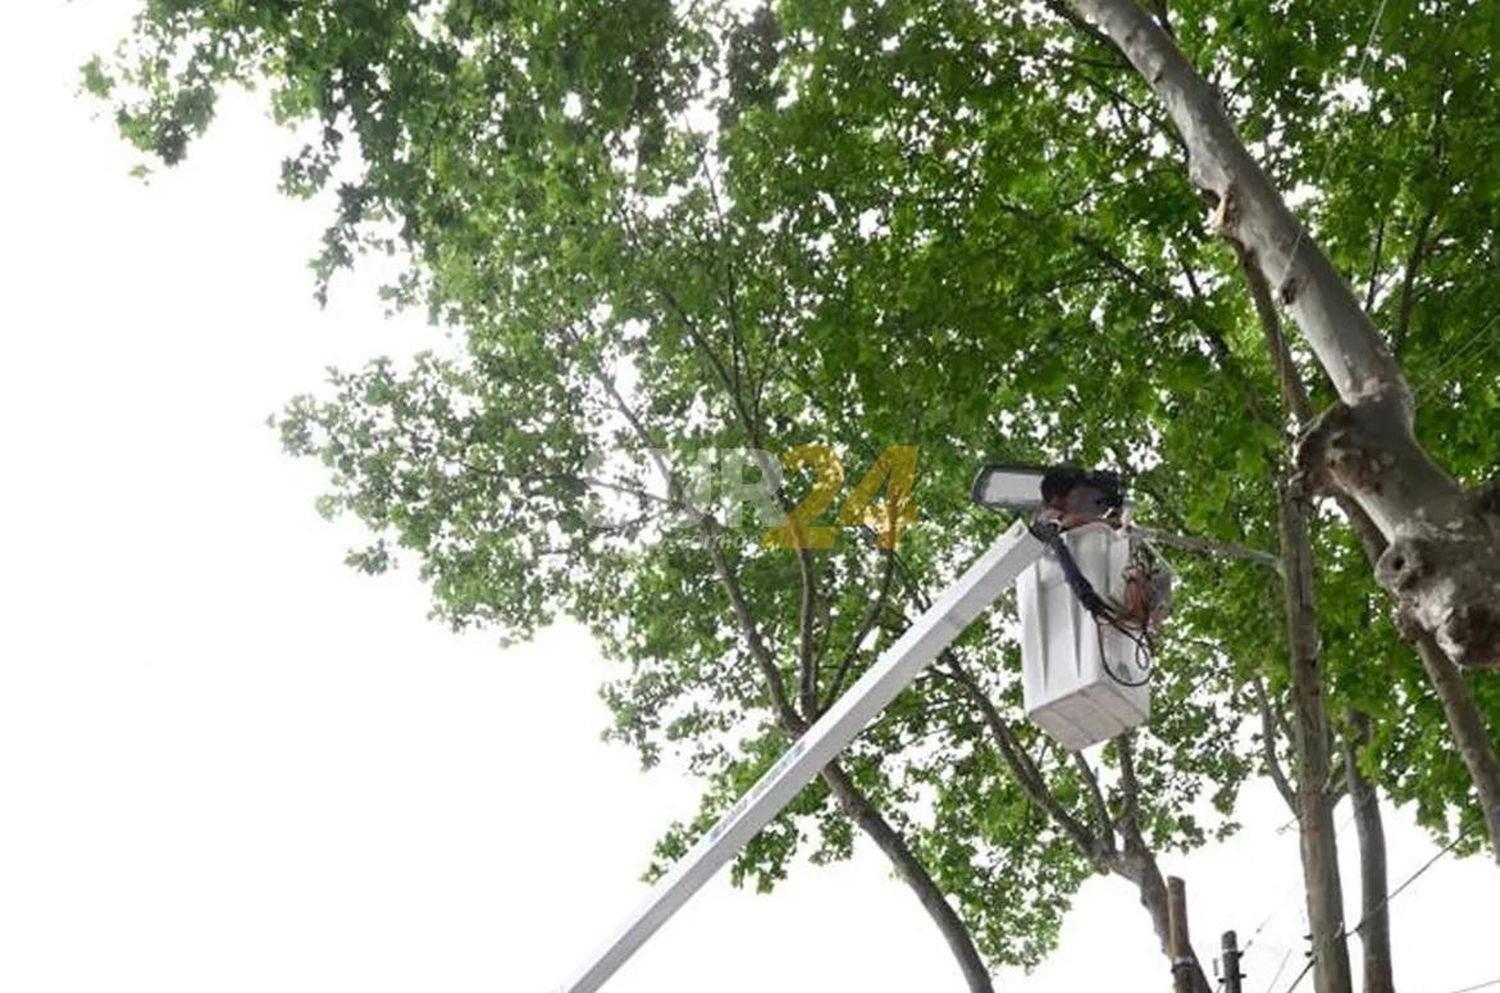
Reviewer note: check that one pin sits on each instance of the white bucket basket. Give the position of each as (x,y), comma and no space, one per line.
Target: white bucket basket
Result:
(1084,682)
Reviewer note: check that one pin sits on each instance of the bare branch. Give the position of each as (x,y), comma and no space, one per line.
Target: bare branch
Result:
(1209,546)
(1421,244)
(787,715)
(1130,785)
(1293,390)
(1372,282)
(1096,796)
(909,868)
(1268,745)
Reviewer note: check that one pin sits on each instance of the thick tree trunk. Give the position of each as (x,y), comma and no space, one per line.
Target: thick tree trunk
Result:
(911,871)
(1443,563)
(1374,881)
(1320,855)
(1311,800)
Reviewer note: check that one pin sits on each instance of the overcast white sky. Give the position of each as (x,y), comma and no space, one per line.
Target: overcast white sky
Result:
(228,763)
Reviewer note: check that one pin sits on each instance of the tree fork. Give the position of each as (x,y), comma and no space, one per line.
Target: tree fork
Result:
(1444,561)
(1131,860)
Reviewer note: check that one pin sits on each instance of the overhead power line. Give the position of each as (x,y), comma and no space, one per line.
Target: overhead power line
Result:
(1480,986)
(1344,932)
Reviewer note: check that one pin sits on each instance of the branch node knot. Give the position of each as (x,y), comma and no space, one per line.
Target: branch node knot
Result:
(1225,215)
(1287,292)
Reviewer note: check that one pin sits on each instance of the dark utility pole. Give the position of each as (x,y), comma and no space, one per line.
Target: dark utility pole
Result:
(1179,947)
(1230,949)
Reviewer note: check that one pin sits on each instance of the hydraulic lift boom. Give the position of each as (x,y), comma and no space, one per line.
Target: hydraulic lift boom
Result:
(949,615)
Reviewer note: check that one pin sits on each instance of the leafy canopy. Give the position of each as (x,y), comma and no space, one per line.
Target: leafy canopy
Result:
(918,222)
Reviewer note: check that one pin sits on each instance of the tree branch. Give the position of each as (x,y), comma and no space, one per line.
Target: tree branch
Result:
(1208,546)
(1293,391)
(1372,284)
(1375,920)
(1249,206)
(1186,311)
(1414,259)
(866,624)
(750,425)
(786,714)
(1444,563)
(1422,240)
(864,814)
(1268,745)
(1467,723)
(1130,785)
(1163,17)
(1023,768)
(1096,797)
(1061,9)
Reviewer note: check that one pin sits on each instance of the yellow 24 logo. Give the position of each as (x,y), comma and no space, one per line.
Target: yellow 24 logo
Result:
(894,471)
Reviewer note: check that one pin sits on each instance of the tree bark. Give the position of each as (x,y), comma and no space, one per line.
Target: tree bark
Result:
(1374,881)
(1443,563)
(1470,733)
(1130,858)
(1139,866)
(889,840)
(1313,798)
(1319,843)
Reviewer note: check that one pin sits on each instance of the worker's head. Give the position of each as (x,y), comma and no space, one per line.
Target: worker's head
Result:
(1082,495)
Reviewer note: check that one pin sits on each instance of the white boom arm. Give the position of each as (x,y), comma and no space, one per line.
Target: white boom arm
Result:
(935,630)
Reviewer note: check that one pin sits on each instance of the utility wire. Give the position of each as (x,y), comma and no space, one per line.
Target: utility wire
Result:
(1464,349)
(1344,932)
(1364,57)
(1481,986)
(1280,906)
(1277,975)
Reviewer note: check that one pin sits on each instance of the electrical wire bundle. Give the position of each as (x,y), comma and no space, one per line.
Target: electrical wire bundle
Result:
(1135,621)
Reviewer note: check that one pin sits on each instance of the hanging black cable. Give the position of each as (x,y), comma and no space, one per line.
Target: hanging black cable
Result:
(1103,613)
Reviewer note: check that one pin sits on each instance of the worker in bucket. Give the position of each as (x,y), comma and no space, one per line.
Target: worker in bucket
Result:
(1075,497)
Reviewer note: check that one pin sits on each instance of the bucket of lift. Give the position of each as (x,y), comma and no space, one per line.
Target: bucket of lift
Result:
(1085,680)
(1087,606)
